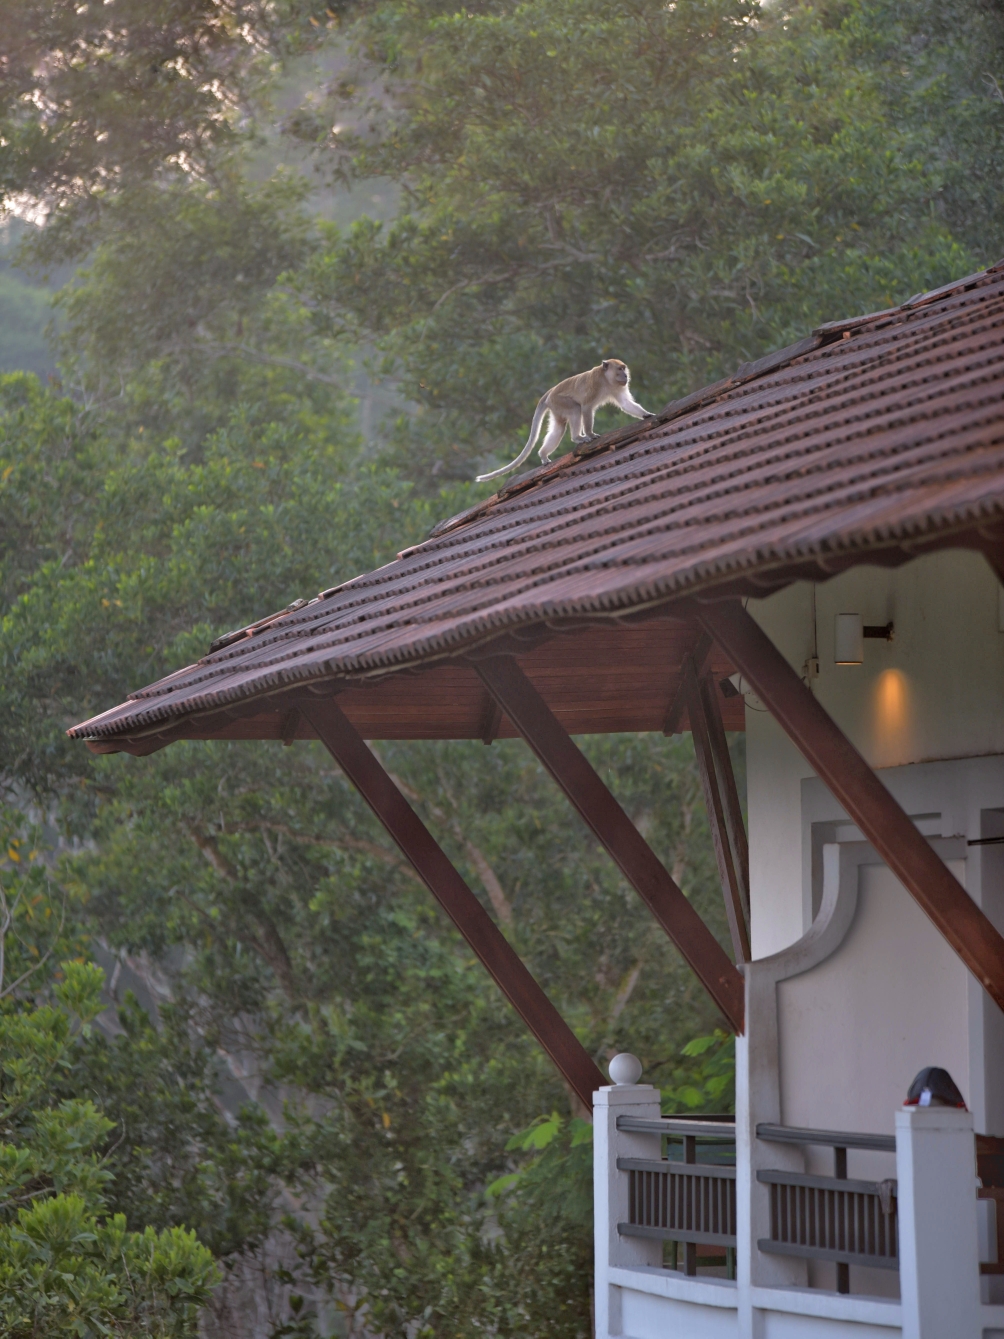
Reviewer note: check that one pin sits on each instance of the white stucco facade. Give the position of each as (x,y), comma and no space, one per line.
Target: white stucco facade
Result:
(933,693)
(852,989)
(927,711)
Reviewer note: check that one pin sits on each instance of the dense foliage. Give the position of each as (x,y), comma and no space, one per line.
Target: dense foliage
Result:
(297,934)
(320,1083)
(68,1264)
(686,186)
(97,99)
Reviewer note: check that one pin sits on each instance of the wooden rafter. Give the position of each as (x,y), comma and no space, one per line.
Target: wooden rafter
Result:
(431,862)
(673,723)
(729,791)
(838,763)
(639,864)
(491,719)
(710,765)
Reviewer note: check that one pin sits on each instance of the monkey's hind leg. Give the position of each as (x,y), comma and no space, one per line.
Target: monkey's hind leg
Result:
(555,431)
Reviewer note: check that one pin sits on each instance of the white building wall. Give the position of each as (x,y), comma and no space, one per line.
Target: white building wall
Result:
(848,1049)
(935,692)
(927,711)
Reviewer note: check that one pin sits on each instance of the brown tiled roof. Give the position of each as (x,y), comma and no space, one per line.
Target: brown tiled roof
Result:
(870,441)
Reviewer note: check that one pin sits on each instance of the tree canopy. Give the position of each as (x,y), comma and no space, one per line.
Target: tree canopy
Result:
(684,186)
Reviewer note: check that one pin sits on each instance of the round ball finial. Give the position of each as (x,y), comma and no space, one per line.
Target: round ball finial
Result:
(625,1068)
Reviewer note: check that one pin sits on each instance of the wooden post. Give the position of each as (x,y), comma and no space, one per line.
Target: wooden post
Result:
(724,850)
(838,763)
(639,864)
(366,773)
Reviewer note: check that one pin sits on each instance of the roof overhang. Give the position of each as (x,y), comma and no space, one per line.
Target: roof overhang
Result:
(608,677)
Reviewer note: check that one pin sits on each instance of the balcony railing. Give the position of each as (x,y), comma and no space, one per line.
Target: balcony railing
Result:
(688,1197)
(831,1217)
(822,1218)
(667,1188)
(680,1200)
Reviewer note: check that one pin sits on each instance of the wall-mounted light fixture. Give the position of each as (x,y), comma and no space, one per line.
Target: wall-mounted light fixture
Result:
(849,635)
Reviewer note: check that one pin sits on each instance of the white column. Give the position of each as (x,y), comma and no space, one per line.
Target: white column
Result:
(610,1192)
(939,1256)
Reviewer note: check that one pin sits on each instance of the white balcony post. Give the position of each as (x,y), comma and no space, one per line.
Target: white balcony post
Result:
(610,1191)
(939,1254)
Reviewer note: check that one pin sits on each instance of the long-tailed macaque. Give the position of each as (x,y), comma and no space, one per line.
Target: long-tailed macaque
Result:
(573,404)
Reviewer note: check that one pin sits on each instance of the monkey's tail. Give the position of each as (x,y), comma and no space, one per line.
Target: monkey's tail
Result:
(538,419)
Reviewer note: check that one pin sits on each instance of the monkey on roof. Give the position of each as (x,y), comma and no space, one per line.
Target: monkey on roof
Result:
(573,404)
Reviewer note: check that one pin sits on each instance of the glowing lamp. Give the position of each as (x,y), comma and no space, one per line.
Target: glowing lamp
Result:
(849,638)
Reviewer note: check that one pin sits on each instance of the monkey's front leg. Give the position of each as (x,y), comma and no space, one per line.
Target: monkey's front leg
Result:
(630,405)
(585,433)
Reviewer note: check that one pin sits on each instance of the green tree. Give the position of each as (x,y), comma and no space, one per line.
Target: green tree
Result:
(684,186)
(139,555)
(95,102)
(67,1264)
(181,313)
(942,65)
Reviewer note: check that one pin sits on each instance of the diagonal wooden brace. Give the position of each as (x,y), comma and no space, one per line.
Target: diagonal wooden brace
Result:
(507,970)
(837,762)
(639,864)
(677,708)
(729,791)
(707,764)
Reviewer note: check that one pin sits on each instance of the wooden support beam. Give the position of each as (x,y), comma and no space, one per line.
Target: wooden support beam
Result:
(729,791)
(639,864)
(724,853)
(838,763)
(491,719)
(674,716)
(509,973)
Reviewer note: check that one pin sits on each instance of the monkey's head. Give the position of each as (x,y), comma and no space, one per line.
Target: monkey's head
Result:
(616,371)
